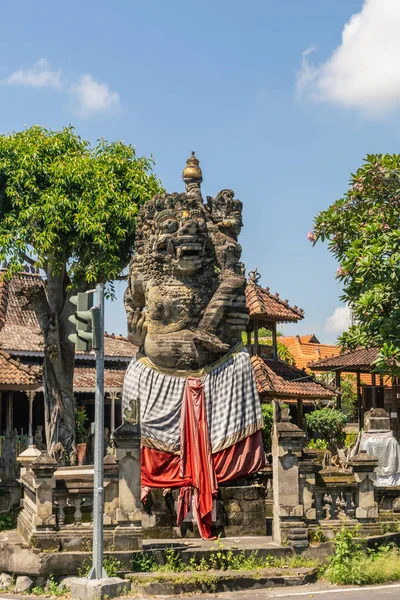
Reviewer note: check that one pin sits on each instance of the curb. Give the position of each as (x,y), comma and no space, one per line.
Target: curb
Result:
(215,581)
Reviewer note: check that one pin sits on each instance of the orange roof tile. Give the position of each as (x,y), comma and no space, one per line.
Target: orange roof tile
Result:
(277,378)
(306,349)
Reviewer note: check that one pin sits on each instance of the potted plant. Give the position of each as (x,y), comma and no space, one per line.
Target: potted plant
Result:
(80,421)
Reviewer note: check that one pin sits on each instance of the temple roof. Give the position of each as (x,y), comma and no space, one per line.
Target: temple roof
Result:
(278,379)
(269,307)
(358,360)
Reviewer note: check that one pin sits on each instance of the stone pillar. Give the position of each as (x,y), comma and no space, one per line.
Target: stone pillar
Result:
(113,399)
(287,447)
(128,534)
(31,397)
(363,466)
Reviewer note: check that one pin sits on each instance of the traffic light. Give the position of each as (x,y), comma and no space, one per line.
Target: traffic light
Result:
(87,322)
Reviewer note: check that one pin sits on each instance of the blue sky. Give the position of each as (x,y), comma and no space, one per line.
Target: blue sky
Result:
(277,105)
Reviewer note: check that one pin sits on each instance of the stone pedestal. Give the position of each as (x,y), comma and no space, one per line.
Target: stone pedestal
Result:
(363,466)
(128,533)
(36,521)
(287,447)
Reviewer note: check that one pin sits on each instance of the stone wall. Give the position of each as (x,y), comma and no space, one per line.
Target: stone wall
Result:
(238,511)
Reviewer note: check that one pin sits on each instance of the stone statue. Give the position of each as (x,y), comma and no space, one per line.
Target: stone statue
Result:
(185,298)
(38,439)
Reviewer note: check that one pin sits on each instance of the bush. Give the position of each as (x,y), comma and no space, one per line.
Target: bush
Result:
(318,444)
(327,424)
(268,415)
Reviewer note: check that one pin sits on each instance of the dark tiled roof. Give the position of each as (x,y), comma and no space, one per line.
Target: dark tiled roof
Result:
(85,379)
(269,307)
(358,360)
(10,308)
(14,372)
(277,378)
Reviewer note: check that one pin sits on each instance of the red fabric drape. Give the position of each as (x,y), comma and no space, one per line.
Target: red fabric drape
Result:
(161,469)
(196,461)
(197,468)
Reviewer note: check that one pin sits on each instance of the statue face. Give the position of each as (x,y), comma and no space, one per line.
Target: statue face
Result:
(180,237)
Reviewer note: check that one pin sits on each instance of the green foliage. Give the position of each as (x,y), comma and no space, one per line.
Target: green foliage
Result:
(219,558)
(318,444)
(111,565)
(7,521)
(348,392)
(52,588)
(351,565)
(344,564)
(268,416)
(363,231)
(327,423)
(81,419)
(317,536)
(68,203)
(350,439)
(143,562)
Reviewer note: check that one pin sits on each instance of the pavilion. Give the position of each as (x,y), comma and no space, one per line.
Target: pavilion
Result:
(275,378)
(370,394)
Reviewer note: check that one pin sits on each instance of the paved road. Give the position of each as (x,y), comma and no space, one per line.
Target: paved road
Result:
(319,591)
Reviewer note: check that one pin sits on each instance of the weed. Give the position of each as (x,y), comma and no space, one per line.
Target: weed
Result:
(111,565)
(318,535)
(7,521)
(143,562)
(350,564)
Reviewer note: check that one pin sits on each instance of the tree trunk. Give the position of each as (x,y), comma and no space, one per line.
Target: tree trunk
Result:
(53,308)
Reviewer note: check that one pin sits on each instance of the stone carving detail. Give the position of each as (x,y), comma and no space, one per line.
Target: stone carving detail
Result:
(132,413)
(185,299)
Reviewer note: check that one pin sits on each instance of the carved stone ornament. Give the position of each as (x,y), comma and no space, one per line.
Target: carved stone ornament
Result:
(132,413)
(185,300)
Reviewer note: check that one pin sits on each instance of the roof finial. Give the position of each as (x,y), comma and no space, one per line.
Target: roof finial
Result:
(192,170)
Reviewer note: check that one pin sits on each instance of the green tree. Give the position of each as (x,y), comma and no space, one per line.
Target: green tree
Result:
(363,231)
(348,388)
(327,423)
(69,209)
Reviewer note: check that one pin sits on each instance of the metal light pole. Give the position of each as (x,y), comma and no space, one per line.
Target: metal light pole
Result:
(97,571)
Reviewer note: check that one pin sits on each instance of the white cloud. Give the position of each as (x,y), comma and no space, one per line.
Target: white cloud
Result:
(93,97)
(339,321)
(363,72)
(39,75)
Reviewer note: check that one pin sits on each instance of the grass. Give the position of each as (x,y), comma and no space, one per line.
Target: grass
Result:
(219,559)
(353,565)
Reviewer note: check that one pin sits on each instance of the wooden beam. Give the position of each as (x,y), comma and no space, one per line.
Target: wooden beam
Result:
(373,377)
(256,345)
(359,411)
(339,396)
(274,342)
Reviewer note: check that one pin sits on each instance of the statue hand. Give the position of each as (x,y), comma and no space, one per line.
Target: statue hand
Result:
(138,327)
